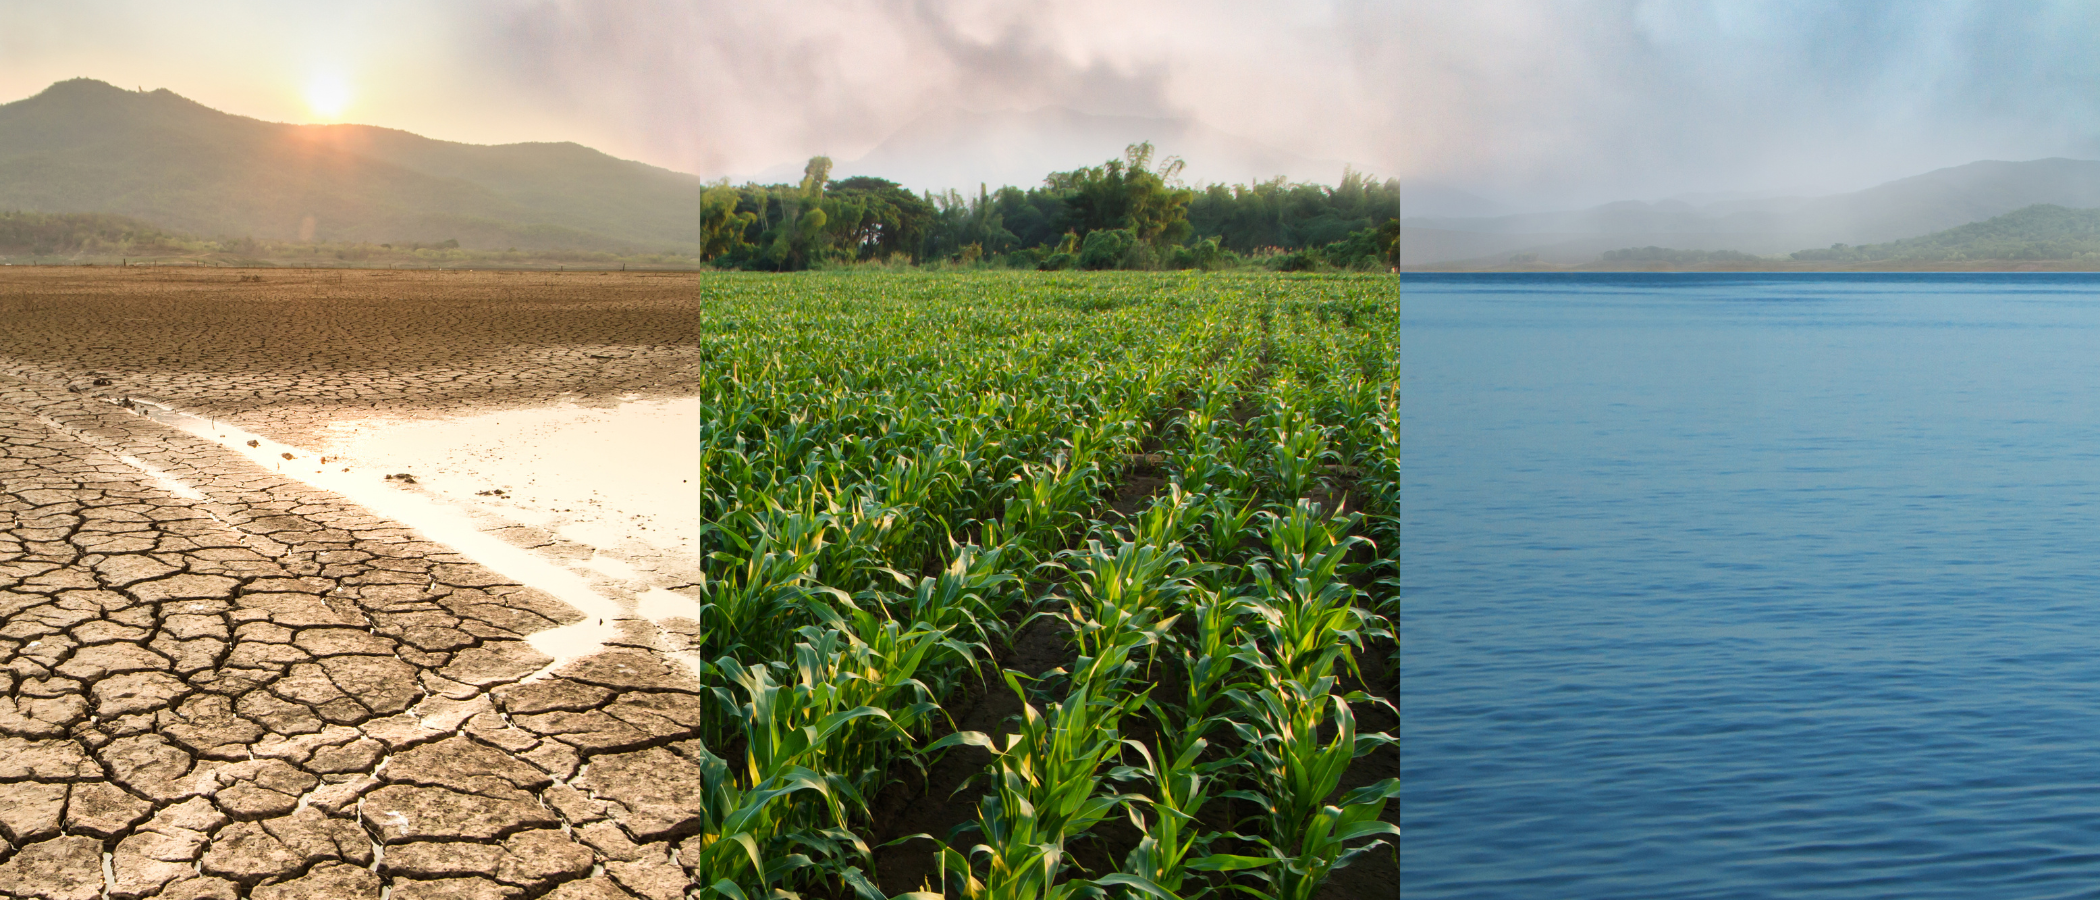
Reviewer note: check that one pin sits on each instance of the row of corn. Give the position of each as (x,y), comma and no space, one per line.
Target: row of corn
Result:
(902,473)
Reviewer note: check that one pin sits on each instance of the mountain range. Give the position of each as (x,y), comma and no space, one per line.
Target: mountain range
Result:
(86,146)
(1899,209)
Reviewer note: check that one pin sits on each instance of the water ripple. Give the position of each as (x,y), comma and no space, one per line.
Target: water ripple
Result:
(1722,587)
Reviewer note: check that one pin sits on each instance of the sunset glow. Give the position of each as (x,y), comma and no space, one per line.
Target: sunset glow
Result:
(328,96)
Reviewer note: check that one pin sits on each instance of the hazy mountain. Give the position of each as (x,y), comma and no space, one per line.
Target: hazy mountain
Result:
(953,148)
(2041,231)
(1428,246)
(1431,199)
(85,146)
(1899,209)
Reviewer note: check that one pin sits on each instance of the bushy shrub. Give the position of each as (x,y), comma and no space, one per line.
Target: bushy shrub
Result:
(1365,249)
(1106,248)
(1143,257)
(1301,261)
(1058,262)
(1204,254)
(1359,250)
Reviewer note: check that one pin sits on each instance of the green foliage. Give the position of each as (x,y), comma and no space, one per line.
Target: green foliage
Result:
(880,219)
(722,225)
(1301,261)
(1370,249)
(1107,249)
(1247,218)
(814,175)
(1126,213)
(1126,194)
(1204,254)
(819,222)
(899,473)
(960,224)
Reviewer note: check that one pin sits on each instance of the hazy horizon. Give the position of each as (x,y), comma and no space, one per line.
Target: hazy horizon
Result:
(1542,105)
(1495,206)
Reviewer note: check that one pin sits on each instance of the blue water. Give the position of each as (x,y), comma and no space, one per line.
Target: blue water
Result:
(1750,586)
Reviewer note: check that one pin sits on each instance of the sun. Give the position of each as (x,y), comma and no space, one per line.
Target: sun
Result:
(328,96)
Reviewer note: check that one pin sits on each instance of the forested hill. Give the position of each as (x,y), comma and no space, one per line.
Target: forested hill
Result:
(2041,231)
(83,146)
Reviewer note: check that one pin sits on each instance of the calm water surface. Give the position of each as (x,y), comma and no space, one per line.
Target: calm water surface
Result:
(1751,586)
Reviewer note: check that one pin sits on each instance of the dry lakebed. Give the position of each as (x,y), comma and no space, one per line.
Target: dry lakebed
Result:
(329,584)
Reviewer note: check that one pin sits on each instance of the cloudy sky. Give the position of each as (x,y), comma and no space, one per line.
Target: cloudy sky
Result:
(729,88)
(1554,102)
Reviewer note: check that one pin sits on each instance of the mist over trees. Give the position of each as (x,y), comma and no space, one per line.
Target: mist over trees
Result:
(1128,213)
(2041,231)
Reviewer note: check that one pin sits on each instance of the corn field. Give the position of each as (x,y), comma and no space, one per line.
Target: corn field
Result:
(1187,484)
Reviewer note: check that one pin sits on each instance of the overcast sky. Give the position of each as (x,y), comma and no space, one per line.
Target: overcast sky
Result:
(725,88)
(1554,102)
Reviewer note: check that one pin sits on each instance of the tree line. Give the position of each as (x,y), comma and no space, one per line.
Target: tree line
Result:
(84,238)
(40,234)
(1128,213)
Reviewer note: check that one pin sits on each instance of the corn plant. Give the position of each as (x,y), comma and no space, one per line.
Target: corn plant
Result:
(1296,452)
(753,838)
(969,598)
(1305,613)
(893,467)
(1295,771)
(1046,502)
(747,846)
(1211,662)
(1225,527)
(1168,521)
(1123,595)
(1174,845)
(1047,791)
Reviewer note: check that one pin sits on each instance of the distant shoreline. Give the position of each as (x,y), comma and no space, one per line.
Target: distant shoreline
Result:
(1888,265)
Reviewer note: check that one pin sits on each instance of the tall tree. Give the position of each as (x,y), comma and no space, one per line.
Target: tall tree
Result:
(891,221)
(1126,193)
(814,175)
(722,226)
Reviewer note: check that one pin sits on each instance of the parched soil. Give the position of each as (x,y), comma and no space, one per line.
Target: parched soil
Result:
(290,351)
(217,682)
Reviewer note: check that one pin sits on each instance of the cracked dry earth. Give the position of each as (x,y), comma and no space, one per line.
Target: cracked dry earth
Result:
(217,682)
(287,355)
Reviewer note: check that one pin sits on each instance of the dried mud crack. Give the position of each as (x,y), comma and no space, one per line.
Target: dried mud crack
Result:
(217,681)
